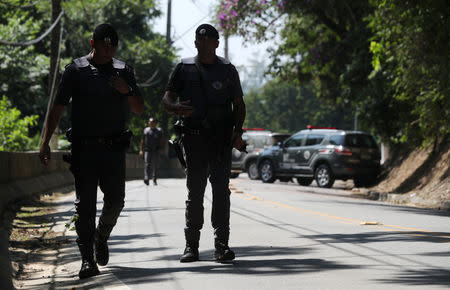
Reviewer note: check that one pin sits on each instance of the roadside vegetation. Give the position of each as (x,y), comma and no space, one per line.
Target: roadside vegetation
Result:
(385,63)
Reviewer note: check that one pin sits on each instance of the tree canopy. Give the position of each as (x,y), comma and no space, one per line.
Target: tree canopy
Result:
(385,62)
(24,70)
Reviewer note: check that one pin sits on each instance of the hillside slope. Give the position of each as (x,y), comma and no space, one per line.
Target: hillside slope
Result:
(418,178)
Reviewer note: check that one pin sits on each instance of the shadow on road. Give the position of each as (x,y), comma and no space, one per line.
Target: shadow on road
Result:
(250,260)
(427,277)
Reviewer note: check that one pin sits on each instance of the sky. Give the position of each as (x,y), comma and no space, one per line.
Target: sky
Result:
(187,15)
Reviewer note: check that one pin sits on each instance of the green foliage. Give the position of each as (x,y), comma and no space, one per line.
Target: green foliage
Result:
(24,70)
(385,61)
(412,44)
(322,47)
(13,128)
(284,107)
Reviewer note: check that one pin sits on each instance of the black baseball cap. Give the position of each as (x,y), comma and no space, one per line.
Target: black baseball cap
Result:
(206,30)
(107,33)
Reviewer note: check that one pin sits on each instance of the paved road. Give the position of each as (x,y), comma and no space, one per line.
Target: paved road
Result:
(285,236)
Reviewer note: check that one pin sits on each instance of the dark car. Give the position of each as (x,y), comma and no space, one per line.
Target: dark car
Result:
(324,155)
(257,140)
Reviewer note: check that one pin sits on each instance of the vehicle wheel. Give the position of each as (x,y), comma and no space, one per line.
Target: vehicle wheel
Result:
(253,170)
(234,175)
(324,176)
(304,181)
(266,172)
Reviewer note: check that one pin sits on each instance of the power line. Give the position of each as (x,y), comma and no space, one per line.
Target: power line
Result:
(189,29)
(52,90)
(31,42)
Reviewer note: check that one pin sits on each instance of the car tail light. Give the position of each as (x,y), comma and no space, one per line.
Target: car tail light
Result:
(343,151)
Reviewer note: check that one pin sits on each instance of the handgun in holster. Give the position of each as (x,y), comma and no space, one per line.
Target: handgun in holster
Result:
(176,144)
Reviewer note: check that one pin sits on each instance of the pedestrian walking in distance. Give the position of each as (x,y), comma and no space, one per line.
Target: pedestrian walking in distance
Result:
(151,148)
(102,90)
(205,91)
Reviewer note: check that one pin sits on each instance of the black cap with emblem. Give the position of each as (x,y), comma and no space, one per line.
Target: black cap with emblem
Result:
(107,33)
(206,30)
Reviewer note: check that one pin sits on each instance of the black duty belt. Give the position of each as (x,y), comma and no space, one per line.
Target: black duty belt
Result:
(190,131)
(96,141)
(98,144)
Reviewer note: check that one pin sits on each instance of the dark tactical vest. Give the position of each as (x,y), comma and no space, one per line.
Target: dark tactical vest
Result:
(97,108)
(212,102)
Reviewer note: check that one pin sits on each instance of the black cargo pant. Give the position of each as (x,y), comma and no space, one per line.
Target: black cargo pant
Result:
(102,168)
(206,158)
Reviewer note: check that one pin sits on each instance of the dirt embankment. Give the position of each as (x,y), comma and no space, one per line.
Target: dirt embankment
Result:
(419,178)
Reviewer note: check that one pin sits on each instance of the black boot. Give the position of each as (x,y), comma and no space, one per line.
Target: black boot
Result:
(190,255)
(223,253)
(88,269)
(88,266)
(101,249)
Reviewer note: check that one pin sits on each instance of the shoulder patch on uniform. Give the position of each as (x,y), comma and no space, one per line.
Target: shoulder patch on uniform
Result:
(188,60)
(223,60)
(81,61)
(118,64)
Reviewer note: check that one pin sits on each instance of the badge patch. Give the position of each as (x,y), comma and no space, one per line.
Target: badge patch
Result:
(217,85)
(307,154)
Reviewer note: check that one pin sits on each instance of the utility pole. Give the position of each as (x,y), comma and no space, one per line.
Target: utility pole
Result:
(164,118)
(169,21)
(225,36)
(53,79)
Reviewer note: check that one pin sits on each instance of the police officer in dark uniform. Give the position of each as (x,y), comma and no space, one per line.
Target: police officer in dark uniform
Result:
(102,90)
(206,93)
(151,147)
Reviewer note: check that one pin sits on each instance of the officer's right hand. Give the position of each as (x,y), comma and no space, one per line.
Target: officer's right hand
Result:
(182,109)
(141,153)
(44,154)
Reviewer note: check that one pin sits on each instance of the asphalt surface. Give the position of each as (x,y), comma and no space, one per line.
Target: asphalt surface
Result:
(285,236)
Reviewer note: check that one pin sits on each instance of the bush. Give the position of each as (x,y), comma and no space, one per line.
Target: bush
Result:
(13,129)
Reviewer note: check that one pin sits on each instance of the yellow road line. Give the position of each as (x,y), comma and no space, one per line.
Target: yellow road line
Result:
(420,232)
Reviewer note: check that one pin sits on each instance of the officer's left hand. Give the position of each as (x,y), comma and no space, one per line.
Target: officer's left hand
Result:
(44,154)
(120,85)
(237,140)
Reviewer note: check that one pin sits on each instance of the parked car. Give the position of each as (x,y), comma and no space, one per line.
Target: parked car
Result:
(257,140)
(324,155)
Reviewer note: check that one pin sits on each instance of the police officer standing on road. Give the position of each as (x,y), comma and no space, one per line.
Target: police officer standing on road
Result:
(102,90)
(151,147)
(212,109)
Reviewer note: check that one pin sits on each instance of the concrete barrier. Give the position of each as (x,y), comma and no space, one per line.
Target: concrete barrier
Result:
(22,174)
